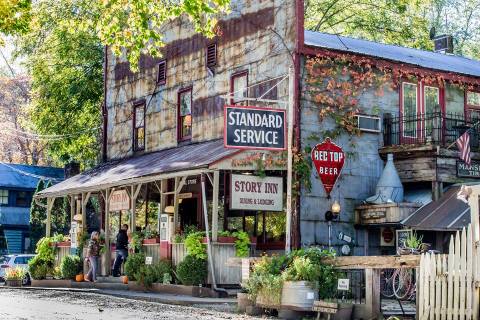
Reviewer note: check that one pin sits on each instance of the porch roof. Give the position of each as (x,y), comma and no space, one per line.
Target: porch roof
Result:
(445,214)
(148,167)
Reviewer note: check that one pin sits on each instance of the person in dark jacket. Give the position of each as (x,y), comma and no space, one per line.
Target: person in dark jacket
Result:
(122,250)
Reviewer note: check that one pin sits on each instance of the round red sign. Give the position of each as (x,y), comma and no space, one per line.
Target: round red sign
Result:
(387,235)
(328,159)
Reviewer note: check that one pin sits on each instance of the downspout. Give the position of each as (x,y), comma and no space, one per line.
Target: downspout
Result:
(299,42)
(104,106)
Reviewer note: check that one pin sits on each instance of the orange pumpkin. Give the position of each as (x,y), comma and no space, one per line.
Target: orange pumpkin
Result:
(79,277)
(125,280)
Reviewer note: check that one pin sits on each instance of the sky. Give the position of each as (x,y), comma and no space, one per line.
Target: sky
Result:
(7,52)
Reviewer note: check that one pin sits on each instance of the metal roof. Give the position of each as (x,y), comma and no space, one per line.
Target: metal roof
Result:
(125,171)
(421,58)
(26,177)
(446,214)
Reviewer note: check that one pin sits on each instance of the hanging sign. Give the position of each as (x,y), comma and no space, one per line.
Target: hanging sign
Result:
(254,128)
(256,193)
(328,159)
(119,200)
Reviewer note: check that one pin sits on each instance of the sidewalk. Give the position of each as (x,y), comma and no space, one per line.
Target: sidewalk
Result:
(165,298)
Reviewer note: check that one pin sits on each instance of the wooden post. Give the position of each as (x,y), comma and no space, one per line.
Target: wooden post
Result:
(175,205)
(107,232)
(135,190)
(372,293)
(48,230)
(216,184)
(85,197)
(291,103)
(163,201)
(72,207)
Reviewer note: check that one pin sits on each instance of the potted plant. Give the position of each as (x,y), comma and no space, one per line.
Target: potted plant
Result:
(71,268)
(151,236)
(15,276)
(300,286)
(412,245)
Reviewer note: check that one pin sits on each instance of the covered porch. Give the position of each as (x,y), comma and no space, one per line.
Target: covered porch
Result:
(162,195)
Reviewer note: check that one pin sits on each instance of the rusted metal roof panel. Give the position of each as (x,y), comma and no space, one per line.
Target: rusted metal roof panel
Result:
(446,214)
(188,157)
(421,58)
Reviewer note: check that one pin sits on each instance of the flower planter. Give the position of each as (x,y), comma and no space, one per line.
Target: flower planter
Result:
(299,294)
(151,241)
(13,283)
(61,244)
(266,300)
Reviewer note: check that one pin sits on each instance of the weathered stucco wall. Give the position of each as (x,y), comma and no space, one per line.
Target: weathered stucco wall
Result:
(246,42)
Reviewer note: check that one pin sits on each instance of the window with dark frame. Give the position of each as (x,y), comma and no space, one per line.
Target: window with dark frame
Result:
(21,199)
(139,127)
(3,196)
(211,56)
(162,72)
(184,124)
(239,87)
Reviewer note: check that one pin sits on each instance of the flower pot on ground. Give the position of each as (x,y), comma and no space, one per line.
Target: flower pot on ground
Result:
(299,294)
(14,276)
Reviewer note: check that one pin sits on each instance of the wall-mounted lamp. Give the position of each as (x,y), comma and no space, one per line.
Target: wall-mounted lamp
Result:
(336,207)
(169,209)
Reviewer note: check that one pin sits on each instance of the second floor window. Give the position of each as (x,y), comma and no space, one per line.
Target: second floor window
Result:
(3,196)
(185,114)
(472,107)
(239,87)
(22,199)
(139,127)
(409,109)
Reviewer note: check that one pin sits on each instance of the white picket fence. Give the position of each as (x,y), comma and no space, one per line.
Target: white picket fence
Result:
(446,286)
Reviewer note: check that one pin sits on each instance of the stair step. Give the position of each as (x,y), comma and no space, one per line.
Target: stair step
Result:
(109,279)
(111,286)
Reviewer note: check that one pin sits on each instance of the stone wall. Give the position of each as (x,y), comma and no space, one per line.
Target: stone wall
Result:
(246,42)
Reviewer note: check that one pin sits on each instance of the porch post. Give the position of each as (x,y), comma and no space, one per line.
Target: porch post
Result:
(216,183)
(107,232)
(85,197)
(48,230)
(163,198)
(135,189)
(72,207)
(175,204)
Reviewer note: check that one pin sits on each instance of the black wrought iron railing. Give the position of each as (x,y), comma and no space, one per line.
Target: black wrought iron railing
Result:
(438,128)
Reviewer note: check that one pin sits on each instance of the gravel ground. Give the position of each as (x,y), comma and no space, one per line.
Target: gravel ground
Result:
(39,304)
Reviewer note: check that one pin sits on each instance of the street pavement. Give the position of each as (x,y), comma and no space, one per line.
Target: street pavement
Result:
(43,304)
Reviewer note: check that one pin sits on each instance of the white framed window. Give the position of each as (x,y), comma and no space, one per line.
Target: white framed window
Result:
(3,196)
(239,87)
(369,123)
(409,109)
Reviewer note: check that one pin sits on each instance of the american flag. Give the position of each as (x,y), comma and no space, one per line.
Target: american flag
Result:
(463,144)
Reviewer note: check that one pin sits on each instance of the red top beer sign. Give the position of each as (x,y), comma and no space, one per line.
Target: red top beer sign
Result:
(328,159)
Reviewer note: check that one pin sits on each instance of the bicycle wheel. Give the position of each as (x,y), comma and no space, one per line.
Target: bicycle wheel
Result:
(386,283)
(402,282)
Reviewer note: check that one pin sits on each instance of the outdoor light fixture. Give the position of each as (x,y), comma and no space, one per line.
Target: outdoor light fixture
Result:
(336,207)
(169,209)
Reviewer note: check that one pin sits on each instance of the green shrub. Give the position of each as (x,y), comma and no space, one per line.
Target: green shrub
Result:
(43,263)
(133,264)
(241,244)
(38,269)
(70,266)
(155,273)
(192,271)
(194,245)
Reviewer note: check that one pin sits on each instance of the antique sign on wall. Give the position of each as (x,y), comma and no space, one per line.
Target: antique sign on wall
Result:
(468,171)
(402,236)
(328,159)
(119,200)
(254,128)
(256,193)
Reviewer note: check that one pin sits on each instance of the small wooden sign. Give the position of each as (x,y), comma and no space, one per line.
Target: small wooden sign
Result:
(186,195)
(148,260)
(343,284)
(119,200)
(325,307)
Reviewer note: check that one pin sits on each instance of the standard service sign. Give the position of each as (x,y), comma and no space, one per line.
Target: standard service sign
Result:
(254,128)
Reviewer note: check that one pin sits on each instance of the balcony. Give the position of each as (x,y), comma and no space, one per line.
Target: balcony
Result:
(438,129)
(424,146)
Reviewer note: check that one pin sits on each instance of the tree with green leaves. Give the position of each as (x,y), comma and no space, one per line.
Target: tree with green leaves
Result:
(65,65)
(60,222)
(400,22)
(14,17)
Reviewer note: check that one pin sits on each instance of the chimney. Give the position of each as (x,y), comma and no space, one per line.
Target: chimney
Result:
(71,169)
